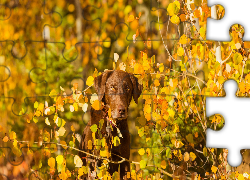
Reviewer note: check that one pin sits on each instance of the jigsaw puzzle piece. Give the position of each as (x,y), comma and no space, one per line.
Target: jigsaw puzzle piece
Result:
(218,29)
(31,16)
(13,69)
(183,51)
(80,18)
(32,157)
(56,66)
(157,132)
(227,107)
(227,60)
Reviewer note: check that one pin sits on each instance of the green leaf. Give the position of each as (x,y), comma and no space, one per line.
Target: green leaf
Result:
(71,144)
(168,153)
(53,93)
(189,138)
(197,2)
(205,151)
(35,119)
(101,123)
(36,105)
(237,58)
(143,164)
(116,141)
(52,109)
(93,128)
(141,131)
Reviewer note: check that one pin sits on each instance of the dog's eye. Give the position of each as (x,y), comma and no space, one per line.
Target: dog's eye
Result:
(127,88)
(112,88)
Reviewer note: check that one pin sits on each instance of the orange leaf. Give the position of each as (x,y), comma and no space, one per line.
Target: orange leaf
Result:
(96,105)
(5,139)
(131,18)
(183,17)
(75,85)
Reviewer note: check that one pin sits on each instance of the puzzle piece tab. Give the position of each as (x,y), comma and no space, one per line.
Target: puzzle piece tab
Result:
(236,112)
(218,29)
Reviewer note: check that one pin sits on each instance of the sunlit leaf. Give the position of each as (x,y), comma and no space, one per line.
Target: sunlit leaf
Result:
(214,169)
(78,162)
(90,81)
(163,164)
(141,151)
(143,164)
(51,162)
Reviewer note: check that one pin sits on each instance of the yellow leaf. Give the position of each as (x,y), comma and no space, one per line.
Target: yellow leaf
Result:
(138,68)
(175,19)
(90,81)
(163,164)
(102,153)
(89,144)
(59,159)
(214,169)
(12,135)
(80,172)
(177,3)
(192,156)
(141,151)
(242,87)
(116,141)
(161,67)
(145,56)
(175,128)
(143,164)
(131,18)
(173,8)
(202,32)
(147,109)
(40,107)
(51,162)
(146,64)
(75,105)
(186,156)
(198,176)
(221,80)
(180,51)
(183,39)
(64,144)
(241,177)
(171,112)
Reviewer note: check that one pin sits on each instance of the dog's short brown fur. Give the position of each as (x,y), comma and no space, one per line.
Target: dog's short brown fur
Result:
(115,89)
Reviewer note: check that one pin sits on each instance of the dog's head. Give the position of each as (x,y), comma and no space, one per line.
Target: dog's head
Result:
(116,88)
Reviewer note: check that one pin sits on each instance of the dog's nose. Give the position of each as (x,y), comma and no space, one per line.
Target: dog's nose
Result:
(121,110)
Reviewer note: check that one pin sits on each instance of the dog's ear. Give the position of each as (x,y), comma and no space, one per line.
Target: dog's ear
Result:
(100,83)
(137,88)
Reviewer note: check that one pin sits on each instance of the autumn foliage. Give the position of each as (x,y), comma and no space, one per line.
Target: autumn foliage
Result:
(170,56)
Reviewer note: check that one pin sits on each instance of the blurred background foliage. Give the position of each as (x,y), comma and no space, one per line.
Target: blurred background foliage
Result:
(45,45)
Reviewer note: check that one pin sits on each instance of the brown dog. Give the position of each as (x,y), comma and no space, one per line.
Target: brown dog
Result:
(115,89)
